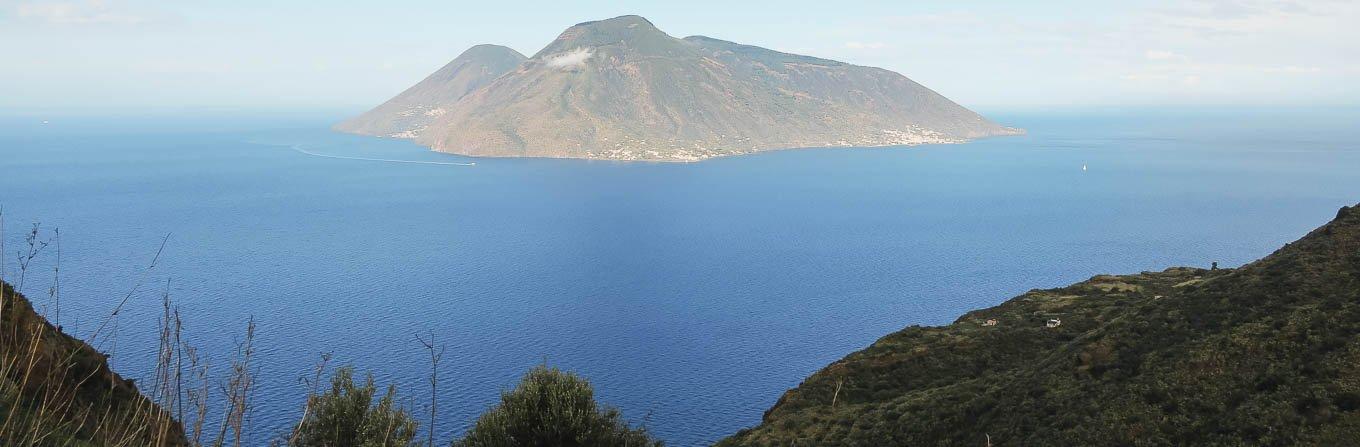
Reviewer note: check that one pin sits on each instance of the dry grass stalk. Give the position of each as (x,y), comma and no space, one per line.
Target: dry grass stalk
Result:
(436,355)
(237,389)
(54,293)
(119,308)
(313,383)
(3,266)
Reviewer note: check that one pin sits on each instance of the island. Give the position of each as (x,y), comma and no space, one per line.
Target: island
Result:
(621,89)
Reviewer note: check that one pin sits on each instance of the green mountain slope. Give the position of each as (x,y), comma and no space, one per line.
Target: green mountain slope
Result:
(1265,354)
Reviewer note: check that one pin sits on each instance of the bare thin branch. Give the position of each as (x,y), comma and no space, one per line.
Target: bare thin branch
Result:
(142,280)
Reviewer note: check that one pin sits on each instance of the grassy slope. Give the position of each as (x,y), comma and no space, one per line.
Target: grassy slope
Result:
(57,390)
(1265,354)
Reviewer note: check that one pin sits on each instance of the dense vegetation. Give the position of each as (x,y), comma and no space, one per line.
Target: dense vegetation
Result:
(346,416)
(548,408)
(553,408)
(1265,354)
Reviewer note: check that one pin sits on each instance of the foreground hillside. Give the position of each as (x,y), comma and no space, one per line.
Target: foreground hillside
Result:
(57,390)
(622,89)
(1264,354)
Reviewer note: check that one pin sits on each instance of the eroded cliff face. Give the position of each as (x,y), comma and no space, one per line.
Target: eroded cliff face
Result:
(622,89)
(1264,354)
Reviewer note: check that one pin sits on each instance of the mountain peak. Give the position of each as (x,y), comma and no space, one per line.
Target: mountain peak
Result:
(625,21)
(491,50)
(631,30)
(1346,212)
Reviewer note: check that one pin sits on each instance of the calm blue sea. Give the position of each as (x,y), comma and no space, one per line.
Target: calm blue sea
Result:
(691,295)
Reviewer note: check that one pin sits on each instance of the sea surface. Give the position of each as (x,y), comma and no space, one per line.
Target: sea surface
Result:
(690,295)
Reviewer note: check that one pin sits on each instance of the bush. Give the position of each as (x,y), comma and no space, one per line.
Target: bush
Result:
(346,416)
(553,408)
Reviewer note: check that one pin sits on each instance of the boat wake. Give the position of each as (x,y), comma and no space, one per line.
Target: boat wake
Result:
(300,149)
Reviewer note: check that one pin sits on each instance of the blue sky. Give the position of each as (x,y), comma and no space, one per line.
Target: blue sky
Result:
(129,54)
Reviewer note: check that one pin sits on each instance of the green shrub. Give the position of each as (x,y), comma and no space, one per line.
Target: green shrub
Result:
(553,408)
(346,416)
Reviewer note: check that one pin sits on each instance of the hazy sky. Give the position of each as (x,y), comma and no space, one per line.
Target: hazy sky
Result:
(121,54)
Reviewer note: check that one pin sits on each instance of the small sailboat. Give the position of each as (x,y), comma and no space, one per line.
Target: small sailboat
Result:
(1083,168)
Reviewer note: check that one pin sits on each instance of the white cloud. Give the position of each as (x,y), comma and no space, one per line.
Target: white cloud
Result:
(1292,69)
(1141,77)
(1171,51)
(1162,55)
(570,59)
(865,45)
(944,19)
(89,12)
(1240,17)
